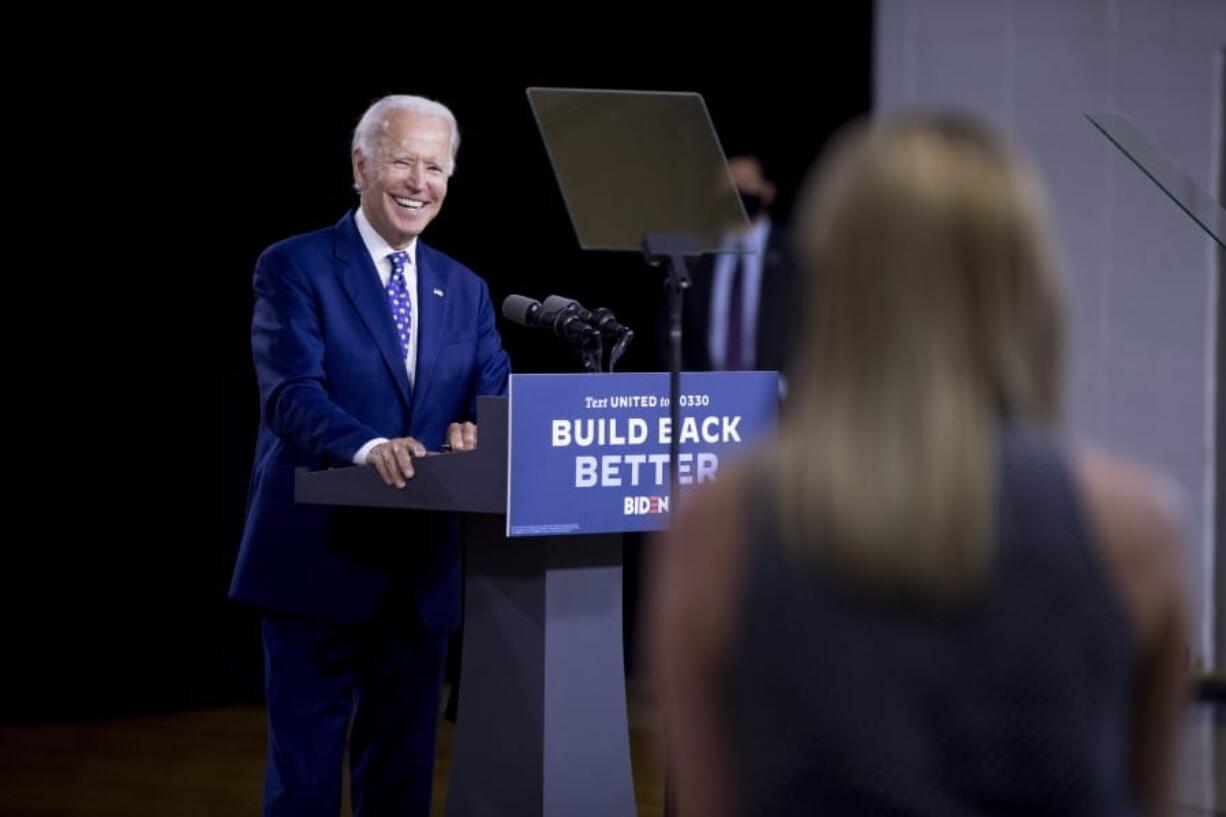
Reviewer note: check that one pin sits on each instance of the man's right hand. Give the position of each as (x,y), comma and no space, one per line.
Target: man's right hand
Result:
(394,459)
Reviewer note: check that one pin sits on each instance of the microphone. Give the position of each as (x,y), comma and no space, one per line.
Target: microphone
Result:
(563,322)
(601,319)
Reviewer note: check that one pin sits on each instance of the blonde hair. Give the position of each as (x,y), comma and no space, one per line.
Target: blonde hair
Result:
(372,127)
(934,311)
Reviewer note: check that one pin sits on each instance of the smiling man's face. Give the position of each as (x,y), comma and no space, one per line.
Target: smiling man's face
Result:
(403,185)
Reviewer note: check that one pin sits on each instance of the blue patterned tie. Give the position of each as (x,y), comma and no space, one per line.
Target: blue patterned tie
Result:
(398,297)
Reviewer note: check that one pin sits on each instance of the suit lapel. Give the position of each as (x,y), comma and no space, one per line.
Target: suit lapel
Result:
(431,308)
(360,281)
(774,322)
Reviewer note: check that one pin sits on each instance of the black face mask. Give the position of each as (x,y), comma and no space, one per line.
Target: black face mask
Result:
(753,204)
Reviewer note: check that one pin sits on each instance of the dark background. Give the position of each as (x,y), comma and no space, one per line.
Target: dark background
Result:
(122,540)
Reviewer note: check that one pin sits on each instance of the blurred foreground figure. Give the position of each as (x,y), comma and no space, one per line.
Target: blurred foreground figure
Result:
(923,599)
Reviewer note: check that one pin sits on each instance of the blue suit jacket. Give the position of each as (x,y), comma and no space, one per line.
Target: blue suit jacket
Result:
(331,377)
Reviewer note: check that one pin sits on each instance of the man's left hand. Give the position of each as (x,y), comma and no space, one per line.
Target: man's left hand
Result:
(462,436)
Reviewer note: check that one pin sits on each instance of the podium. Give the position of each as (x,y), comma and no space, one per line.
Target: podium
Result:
(542,726)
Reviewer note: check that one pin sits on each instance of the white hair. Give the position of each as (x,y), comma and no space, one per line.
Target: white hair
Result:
(374,123)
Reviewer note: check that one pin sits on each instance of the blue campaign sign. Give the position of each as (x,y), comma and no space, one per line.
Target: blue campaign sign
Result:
(589,453)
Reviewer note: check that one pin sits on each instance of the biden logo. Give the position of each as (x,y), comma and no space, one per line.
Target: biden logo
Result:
(640,505)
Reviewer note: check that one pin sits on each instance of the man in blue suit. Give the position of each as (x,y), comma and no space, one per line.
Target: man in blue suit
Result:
(370,348)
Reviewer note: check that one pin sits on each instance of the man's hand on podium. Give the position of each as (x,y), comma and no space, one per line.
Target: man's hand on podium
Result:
(461,437)
(394,459)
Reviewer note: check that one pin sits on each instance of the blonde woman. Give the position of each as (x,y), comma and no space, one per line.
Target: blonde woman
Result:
(923,599)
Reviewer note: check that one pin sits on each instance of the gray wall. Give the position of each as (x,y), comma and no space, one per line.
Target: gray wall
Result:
(1141,274)
(1219,536)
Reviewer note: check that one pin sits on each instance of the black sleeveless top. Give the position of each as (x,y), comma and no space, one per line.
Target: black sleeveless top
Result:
(1017,704)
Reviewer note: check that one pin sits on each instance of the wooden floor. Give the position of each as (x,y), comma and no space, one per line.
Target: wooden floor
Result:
(207,762)
(211,763)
